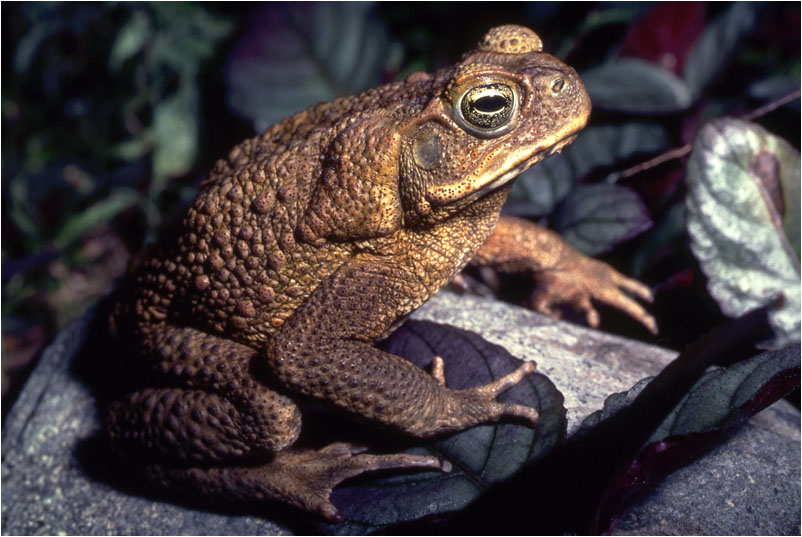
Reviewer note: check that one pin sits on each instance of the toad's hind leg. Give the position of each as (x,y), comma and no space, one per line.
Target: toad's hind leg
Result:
(303,478)
(180,426)
(203,404)
(201,443)
(207,425)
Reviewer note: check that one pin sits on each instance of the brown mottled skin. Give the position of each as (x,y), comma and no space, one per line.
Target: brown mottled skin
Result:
(315,239)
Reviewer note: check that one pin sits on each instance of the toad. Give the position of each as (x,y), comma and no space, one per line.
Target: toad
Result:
(312,241)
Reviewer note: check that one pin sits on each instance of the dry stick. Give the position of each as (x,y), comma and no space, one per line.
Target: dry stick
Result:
(763,110)
(678,152)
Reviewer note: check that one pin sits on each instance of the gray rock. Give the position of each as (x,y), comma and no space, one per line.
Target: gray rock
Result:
(52,463)
(747,486)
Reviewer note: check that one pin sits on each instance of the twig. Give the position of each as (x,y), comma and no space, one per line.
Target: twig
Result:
(763,110)
(679,152)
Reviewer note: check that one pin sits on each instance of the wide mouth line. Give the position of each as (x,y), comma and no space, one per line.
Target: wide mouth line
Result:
(524,164)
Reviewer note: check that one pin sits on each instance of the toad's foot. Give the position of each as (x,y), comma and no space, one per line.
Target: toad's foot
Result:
(588,279)
(464,408)
(304,478)
(312,475)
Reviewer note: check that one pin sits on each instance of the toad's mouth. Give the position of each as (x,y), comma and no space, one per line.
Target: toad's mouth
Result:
(519,166)
(493,173)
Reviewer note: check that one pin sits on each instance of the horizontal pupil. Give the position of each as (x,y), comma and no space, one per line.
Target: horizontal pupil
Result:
(490,104)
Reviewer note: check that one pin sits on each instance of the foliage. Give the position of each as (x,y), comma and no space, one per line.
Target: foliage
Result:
(100,112)
(718,399)
(636,88)
(293,56)
(656,89)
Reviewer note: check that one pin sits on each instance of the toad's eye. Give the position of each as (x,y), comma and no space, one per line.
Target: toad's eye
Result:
(487,107)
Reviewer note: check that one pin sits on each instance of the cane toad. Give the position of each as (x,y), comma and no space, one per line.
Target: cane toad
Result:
(315,239)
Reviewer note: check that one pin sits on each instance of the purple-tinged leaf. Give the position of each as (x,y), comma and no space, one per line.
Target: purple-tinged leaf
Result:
(539,189)
(719,403)
(480,456)
(717,399)
(665,34)
(295,55)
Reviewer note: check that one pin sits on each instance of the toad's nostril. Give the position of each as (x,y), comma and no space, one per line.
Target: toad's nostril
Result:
(558,85)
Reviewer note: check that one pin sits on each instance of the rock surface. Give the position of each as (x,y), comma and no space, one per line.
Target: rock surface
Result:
(52,463)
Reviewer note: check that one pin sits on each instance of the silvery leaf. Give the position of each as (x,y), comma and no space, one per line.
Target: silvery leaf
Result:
(743,219)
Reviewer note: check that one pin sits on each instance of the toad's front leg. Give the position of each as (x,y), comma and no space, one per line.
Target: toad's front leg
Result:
(563,275)
(325,350)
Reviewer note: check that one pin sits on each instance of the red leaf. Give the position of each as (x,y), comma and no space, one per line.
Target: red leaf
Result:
(680,280)
(665,35)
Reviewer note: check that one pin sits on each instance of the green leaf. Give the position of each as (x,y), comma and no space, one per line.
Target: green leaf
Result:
(131,39)
(669,229)
(22,213)
(480,456)
(297,55)
(175,136)
(28,45)
(613,404)
(743,218)
(718,396)
(594,218)
(187,34)
(133,148)
(775,87)
(605,145)
(710,52)
(636,86)
(538,190)
(102,211)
